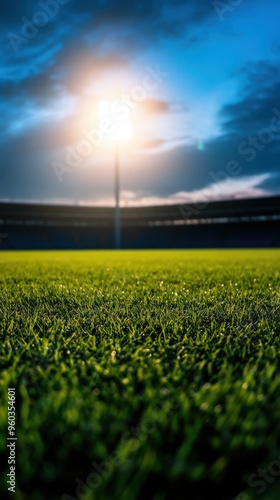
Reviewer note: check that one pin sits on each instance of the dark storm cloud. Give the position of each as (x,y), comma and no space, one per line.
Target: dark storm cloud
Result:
(272,184)
(85,39)
(135,13)
(130,24)
(261,95)
(155,16)
(189,169)
(251,135)
(82,40)
(37,87)
(12,11)
(67,73)
(185,168)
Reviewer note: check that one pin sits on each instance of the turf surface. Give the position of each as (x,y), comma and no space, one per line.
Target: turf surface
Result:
(150,374)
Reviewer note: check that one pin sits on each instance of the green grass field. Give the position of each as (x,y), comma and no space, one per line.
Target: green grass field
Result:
(150,374)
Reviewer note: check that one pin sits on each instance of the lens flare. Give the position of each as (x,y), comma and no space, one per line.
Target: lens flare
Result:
(114,121)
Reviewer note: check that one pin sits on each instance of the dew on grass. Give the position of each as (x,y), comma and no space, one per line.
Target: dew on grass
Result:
(195,387)
(165,391)
(206,386)
(204,406)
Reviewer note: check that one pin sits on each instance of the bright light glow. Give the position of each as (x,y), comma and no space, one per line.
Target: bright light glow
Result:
(114,121)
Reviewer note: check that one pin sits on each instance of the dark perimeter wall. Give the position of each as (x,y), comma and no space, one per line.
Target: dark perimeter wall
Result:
(231,224)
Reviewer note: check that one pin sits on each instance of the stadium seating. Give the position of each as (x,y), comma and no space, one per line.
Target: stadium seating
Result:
(224,224)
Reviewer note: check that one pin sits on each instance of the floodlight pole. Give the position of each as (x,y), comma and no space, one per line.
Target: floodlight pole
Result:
(117,199)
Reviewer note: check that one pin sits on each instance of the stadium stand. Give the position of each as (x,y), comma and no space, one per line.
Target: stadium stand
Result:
(221,224)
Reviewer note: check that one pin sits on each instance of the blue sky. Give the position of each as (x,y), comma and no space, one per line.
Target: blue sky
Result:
(215,99)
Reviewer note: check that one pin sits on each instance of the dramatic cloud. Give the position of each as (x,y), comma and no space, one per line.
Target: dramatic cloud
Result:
(211,97)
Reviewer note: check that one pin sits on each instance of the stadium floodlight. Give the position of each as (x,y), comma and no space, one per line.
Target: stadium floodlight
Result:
(115,126)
